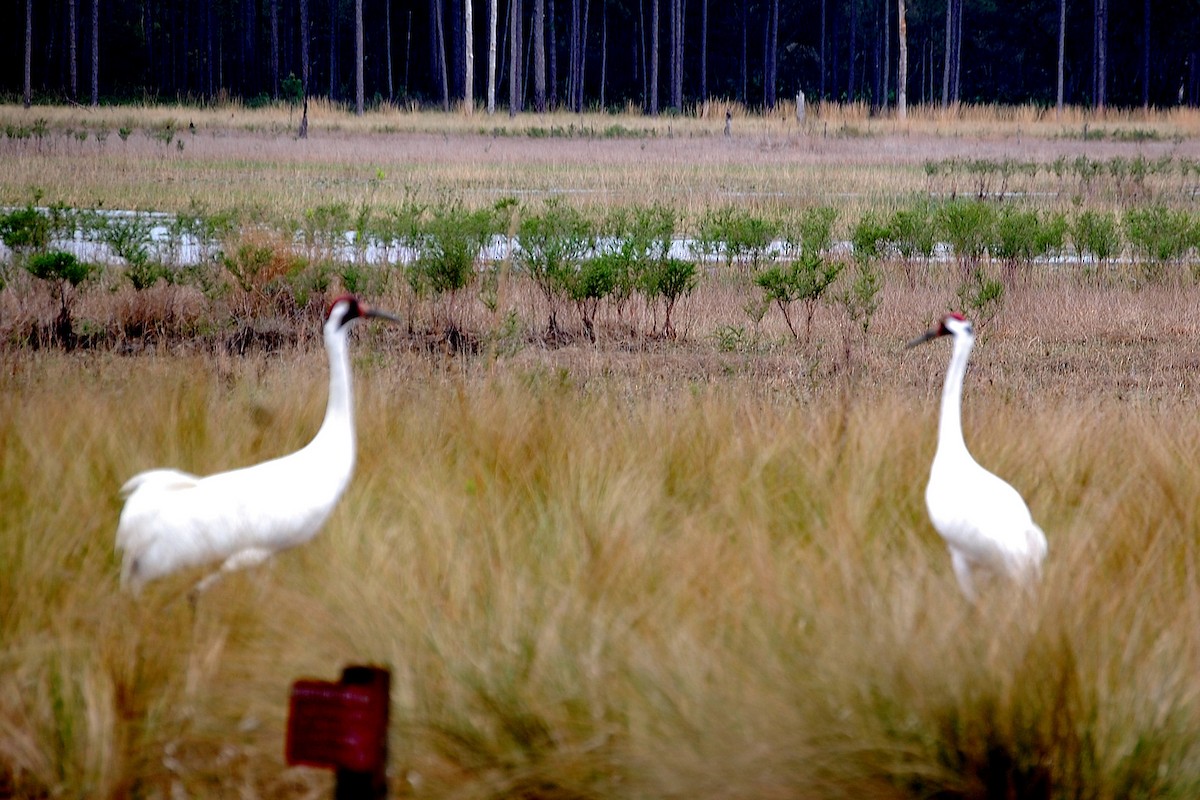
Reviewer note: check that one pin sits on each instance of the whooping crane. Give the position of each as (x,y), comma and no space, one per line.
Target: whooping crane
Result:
(173,520)
(984,520)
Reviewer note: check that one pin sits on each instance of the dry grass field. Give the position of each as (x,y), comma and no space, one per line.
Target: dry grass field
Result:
(641,568)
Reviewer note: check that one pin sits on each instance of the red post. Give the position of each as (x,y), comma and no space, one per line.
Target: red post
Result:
(343,726)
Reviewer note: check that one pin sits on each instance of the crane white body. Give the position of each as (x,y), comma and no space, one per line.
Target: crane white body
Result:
(172,520)
(984,521)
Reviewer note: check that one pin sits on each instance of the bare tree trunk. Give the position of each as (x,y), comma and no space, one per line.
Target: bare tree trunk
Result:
(539,56)
(274,49)
(1101,63)
(654,58)
(148,38)
(209,50)
(387,28)
(491,87)
(949,53)
(440,56)
(514,59)
(582,56)
(887,54)
(852,56)
(823,37)
(1146,55)
(28,53)
(73,27)
(303,132)
(572,55)
(553,79)
(95,52)
(703,51)
(334,78)
(468,57)
(770,61)
(603,50)
(677,54)
(902,70)
(359,89)
(1062,49)
(956,78)
(743,93)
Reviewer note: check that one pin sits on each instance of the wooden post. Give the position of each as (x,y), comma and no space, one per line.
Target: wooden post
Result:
(343,726)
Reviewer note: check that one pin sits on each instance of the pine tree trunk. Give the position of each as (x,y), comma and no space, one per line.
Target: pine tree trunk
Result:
(274,49)
(703,51)
(1062,49)
(359,89)
(771,55)
(1146,56)
(887,55)
(823,38)
(654,58)
(539,56)
(468,57)
(73,32)
(582,55)
(553,79)
(28,53)
(334,78)
(440,55)
(387,30)
(744,88)
(491,87)
(949,53)
(95,52)
(1101,53)
(514,59)
(902,69)
(573,52)
(603,51)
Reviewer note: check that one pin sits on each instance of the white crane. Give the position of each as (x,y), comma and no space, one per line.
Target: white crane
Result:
(984,520)
(173,520)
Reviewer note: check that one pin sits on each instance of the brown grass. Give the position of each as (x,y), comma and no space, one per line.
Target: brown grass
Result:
(249,161)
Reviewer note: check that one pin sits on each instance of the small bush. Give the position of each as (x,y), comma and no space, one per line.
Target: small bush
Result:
(1096,232)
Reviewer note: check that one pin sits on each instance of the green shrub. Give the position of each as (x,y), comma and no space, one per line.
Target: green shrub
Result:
(553,243)
(967,227)
(1160,234)
(26,229)
(740,238)
(1096,232)
(65,272)
(913,232)
(805,280)
(668,279)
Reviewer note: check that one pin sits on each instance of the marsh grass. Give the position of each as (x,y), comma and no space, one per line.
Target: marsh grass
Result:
(603,574)
(247,162)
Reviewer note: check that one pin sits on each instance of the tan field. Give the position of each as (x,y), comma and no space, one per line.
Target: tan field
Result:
(643,568)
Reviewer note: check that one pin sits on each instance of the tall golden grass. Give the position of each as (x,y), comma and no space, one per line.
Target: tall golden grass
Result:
(652,573)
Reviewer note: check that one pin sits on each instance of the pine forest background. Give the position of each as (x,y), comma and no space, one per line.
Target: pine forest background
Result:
(652,55)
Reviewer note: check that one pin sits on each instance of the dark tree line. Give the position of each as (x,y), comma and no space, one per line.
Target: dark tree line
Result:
(652,54)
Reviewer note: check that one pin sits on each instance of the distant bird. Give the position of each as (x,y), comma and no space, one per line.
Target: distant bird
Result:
(983,519)
(173,520)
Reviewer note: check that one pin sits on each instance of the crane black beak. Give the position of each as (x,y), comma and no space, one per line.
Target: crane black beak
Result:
(371,312)
(923,338)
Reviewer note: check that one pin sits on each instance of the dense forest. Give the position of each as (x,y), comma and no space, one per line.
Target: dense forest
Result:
(656,55)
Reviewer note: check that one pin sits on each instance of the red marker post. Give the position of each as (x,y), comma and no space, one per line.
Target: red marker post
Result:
(343,726)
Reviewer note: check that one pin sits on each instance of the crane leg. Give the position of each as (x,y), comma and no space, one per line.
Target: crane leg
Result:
(962,571)
(240,560)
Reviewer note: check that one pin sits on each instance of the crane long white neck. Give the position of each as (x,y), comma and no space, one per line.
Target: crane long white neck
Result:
(950,432)
(339,413)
